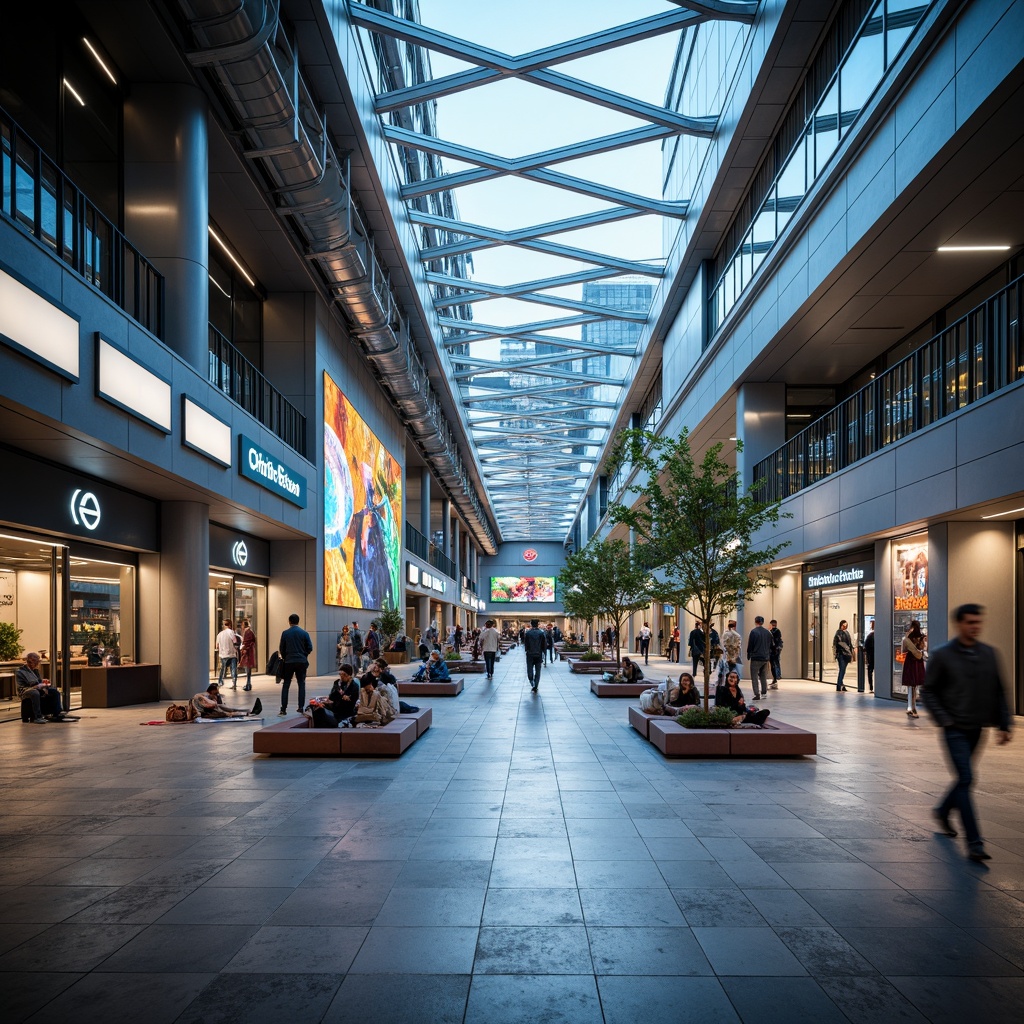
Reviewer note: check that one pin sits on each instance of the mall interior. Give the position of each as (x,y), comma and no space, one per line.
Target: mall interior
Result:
(327,307)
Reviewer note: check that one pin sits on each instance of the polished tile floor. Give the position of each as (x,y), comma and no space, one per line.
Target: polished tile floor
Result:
(530,859)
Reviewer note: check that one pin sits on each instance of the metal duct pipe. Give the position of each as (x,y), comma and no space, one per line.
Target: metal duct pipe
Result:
(241,45)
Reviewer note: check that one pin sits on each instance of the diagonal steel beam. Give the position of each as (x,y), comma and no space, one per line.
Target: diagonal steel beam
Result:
(570,344)
(562,280)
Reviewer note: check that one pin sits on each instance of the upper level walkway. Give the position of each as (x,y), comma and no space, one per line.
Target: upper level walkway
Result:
(530,858)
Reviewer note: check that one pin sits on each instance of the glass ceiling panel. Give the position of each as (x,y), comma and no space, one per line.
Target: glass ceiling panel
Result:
(537,186)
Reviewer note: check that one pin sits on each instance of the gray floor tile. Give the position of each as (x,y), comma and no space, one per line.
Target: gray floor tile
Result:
(211,905)
(439,999)
(871,1000)
(523,906)
(533,950)
(522,999)
(1007,942)
(511,873)
(425,907)
(167,948)
(434,950)
(824,952)
(647,951)
(618,908)
(323,950)
(662,1000)
(747,952)
(781,1001)
(716,908)
(71,947)
(618,874)
(24,994)
(262,999)
(882,908)
(953,1000)
(943,952)
(30,904)
(782,908)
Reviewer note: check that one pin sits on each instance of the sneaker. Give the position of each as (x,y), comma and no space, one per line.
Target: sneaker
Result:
(39,721)
(942,819)
(282,713)
(978,855)
(246,687)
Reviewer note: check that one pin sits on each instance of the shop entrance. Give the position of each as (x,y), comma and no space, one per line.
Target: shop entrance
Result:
(237,599)
(824,609)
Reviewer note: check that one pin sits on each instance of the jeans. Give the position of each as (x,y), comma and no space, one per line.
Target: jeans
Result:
(759,671)
(645,646)
(533,667)
(489,661)
(961,744)
(225,664)
(43,702)
(842,661)
(776,668)
(287,671)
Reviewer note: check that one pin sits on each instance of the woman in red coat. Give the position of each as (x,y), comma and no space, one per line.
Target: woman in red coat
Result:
(247,652)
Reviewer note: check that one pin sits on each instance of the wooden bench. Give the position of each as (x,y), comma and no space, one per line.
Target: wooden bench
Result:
(591,667)
(297,736)
(426,688)
(603,689)
(774,739)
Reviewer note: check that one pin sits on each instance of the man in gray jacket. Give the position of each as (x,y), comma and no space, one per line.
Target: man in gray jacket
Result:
(964,692)
(759,653)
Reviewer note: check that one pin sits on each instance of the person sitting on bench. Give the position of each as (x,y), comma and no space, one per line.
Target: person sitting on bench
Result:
(44,698)
(436,669)
(730,696)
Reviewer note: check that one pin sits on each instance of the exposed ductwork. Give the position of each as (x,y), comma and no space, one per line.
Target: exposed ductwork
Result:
(277,127)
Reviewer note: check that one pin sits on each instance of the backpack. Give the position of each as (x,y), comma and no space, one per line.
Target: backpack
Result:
(181,713)
(652,701)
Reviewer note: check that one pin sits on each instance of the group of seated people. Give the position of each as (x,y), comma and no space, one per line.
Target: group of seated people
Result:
(727,695)
(372,701)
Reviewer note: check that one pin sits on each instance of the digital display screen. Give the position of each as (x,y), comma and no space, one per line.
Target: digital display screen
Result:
(522,589)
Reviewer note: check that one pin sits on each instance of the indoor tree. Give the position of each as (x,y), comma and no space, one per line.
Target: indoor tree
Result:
(605,579)
(698,528)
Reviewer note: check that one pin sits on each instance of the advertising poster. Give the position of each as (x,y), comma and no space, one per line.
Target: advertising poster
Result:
(909,597)
(362,510)
(521,589)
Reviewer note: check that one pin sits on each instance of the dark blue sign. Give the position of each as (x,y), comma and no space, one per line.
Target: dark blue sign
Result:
(258,465)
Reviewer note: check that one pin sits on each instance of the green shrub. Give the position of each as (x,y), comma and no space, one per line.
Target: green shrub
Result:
(453,656)
(591,656)
(698,718)
(10,646)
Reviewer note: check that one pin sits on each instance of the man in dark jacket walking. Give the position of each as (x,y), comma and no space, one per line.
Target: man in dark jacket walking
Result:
(535,643)
(759,653)
(294,648)
(964,692)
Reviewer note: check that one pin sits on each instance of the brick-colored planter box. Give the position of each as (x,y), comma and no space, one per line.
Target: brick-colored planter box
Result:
(590,668)
(603,689)
(297,736)
(408,688)
(641,721)
(774,739)
(675,741)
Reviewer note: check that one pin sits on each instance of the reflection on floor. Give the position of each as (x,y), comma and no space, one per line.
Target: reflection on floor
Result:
(531,858)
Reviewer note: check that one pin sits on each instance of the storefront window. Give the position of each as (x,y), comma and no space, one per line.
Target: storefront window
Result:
(910,598)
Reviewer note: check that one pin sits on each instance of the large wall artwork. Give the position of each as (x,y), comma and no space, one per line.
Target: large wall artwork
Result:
(362,510)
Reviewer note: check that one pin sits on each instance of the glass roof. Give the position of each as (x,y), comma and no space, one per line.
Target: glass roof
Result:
(529,139)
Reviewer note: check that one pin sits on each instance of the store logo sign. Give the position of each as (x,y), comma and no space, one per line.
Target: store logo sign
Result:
(258,465)
(529,555)
(85,509)
(239,553)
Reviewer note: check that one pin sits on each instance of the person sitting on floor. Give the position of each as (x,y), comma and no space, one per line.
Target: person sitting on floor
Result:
(44,698)
(629,673)
(684,695)
(730,696)
(210,704)
(436,669)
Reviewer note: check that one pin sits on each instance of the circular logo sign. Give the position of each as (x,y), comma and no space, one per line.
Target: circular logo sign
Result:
(239,553)
(85,509)
(529,555)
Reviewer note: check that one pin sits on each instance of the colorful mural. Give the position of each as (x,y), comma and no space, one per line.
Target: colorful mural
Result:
(362,510)
(518,589)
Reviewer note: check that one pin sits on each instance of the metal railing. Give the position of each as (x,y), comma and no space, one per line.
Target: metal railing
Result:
(230,371)
(978,355)
(37,196)
(418,545)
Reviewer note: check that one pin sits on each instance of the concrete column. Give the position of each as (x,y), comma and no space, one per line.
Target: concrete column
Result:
(760,425)
(184,584)
(166,207)
(446,526)
(425,505)
(457,556)
(422,614)
(592,502)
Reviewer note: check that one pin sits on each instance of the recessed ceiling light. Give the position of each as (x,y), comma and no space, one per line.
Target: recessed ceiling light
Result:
(972,248)
(1009,512)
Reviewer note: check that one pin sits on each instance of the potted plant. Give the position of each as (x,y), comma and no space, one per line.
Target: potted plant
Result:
(391,624)
(10,645)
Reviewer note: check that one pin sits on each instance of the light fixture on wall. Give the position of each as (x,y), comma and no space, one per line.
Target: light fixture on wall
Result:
(74,92)
(231,256)
(99,60)
(1008,512)
(972,248)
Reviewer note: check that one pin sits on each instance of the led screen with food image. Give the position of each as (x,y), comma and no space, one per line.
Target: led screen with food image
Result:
(516,589)
(362,510)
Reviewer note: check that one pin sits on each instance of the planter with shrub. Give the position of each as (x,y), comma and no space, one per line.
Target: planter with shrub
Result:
(713,718)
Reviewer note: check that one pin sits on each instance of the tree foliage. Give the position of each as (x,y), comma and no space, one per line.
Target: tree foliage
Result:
(605,579)
(695,526)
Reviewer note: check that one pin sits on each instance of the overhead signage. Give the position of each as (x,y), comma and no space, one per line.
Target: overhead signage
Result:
(238,552)
(846,575)
(413,573)
(530,555)
(260,466)
(85,509)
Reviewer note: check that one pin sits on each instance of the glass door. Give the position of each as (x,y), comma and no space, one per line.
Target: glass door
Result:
(838,604)
(812,637)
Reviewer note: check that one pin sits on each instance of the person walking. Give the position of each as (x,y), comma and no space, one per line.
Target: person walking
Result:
(759,653)
(696,643)
(774,660)
(842,651)
(489,641)
(964,693)
(534,644)
(869,657)
(732,643)
(913,665)
(645,641)
(294,648)
(227,648)
(247,652)
(549,641)
(673,645)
